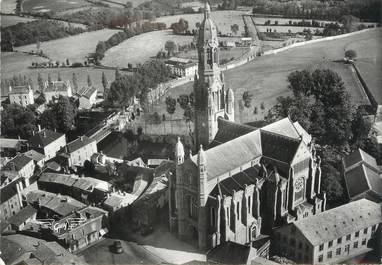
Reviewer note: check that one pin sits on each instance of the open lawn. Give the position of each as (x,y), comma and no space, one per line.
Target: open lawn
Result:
(17,63)
(75,48)
(42,6)
(266,77)
(13,20)
(140,48)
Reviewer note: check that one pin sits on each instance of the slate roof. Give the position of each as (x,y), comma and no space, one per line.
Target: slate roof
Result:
(17,163)
(340,221)
(8,191)
(360,156)
(279,147)
(44,138)
(87,92)
(19,90)
(22,215)
(34,155)
(362,179)
(79,143)
(229,253)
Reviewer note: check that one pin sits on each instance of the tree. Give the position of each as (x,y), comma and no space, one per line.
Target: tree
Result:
(62,116)
(170,47)
(18,121)
(235,28)
(170,105)
(104,81)
(59,77)
(332,186)
(48,120)
(350,54)
(247,99)
(75,82)
(67,62)
(40,82)
(89,81)
(40,99)
(49,79)
(117,74)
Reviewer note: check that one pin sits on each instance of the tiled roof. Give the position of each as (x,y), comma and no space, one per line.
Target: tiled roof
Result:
(362,179)
(79,143)
(63,179)
(19,90)
(87,92)
(278,146)
(340,221)
(44,138)
(18,162)
(22,215)
(34,155)
(283,127)
(229,253)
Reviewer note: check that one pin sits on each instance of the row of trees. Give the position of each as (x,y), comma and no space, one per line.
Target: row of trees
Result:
(30,32)
(16,80)
(119,37)
(321,104)
(126,87)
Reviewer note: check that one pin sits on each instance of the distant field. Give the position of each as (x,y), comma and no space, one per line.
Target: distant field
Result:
(223,55)
(75,48)
(223,19)
(8,6)
(41,6)
(134,2)
(13,20)
(266,77)
(140,48)
(17,63)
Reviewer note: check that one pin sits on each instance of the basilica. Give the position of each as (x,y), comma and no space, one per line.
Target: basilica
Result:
(244,181)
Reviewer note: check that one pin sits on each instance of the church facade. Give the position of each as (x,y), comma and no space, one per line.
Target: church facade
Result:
(247,180)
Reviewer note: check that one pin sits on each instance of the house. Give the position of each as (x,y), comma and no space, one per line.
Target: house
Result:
(237,254)
(334,236)
(10,147)
(37,157)
(7,176)
(10,199)
(56,183)
(87,97)
(55,89)
(47,142)
(23,166)
(78,151)
(80,229)
(182,67)
(18,221)
(362,176)
(21,95)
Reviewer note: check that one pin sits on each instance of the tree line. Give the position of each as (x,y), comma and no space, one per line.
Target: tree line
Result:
(35,31)
(119,37)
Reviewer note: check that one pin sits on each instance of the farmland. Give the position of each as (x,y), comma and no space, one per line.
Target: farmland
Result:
(74,48)
(13,20)
(266,77)
(17,63)
(140,48)
(8,6)
(41,6)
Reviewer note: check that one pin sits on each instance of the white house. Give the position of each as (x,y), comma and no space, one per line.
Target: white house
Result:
(21,95)
(182,67)
(79,150)
(47,142)
(23,166)
(87,97)
(57,88)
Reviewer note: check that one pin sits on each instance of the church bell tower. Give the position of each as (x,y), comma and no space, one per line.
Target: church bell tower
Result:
(212,101)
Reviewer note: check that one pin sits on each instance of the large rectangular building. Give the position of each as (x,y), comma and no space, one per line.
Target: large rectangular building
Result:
(333,236)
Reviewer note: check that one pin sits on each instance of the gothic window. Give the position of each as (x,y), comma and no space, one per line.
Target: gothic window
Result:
(299,189)
(193,207)
(249,204)
(254,232)
(209,57)
(238,211)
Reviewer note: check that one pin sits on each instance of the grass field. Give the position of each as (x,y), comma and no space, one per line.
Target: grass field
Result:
(17,63)
(223,19)
(8,6)
(223,55)
(75,48)
(41,6)
(266,77)
(13,20)
(140,48)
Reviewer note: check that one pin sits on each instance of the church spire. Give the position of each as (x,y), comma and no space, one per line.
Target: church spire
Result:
(207,10)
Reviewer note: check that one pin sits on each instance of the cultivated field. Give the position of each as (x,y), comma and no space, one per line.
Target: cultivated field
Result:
(75,48)
(266,77)
(41,6)
(13,20)
(17,63)
(140,48)
(8,6)
(223,19)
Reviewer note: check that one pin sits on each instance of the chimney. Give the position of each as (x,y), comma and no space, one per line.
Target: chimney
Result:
(44,134)
(39,127)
